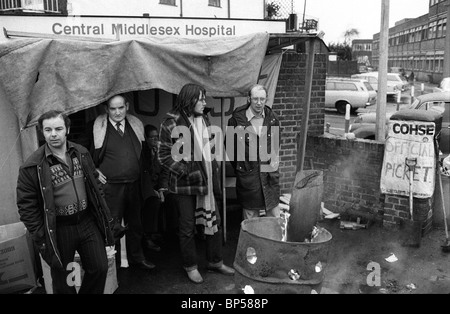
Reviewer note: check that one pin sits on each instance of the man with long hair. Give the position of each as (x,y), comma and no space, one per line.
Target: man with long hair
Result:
(194,182)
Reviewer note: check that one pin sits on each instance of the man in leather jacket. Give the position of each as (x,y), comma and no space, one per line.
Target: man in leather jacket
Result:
(61,203)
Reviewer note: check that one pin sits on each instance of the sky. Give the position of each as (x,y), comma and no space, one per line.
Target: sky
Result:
(337,16)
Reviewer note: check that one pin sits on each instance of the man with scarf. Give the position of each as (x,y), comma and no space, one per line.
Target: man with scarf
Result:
(194,179)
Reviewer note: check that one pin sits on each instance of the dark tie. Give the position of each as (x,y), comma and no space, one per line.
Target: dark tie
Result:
(119,129)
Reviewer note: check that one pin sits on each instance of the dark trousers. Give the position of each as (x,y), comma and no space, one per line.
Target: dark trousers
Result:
(124,201)
(85,238)
(152,220)
(185,205)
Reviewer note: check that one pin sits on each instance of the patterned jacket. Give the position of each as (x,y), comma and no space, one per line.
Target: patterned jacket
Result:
(36,203)
(185,177)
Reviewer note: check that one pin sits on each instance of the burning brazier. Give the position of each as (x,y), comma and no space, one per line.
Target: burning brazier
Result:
(265,263)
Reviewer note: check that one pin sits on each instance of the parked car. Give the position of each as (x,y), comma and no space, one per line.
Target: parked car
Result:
(342,91)
(372,77)
(444,86)
(397,78)
(364,126)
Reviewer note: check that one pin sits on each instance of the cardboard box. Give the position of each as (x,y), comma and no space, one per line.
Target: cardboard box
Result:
(111,284)
(16,259)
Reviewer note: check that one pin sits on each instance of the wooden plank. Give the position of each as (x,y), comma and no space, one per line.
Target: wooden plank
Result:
(303,134)
(224,186)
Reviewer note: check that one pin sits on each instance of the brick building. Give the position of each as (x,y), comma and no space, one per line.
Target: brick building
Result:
(420,45)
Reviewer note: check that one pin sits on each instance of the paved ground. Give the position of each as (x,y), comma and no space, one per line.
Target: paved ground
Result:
(424,270)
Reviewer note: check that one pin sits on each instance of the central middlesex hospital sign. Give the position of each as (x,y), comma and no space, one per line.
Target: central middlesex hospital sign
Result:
(126,28)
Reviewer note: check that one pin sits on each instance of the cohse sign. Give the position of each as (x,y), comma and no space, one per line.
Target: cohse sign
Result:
(409,139)
(411,129)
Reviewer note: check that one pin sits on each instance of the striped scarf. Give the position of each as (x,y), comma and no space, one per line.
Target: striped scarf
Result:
(205,213)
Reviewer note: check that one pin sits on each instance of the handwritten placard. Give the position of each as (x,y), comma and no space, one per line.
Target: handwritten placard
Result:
(409,139)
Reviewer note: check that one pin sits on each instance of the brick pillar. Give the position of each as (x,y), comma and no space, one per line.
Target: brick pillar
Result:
(288,105)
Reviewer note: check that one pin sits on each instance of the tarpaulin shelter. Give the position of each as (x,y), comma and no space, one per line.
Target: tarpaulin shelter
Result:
(38,73)
(70,75)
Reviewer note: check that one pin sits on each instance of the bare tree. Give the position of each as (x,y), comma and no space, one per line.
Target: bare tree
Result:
(349,34)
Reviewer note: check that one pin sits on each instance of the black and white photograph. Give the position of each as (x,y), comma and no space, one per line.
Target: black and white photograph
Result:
(225,154)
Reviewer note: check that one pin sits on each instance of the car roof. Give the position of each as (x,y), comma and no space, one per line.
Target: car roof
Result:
(440,96)
(344,79)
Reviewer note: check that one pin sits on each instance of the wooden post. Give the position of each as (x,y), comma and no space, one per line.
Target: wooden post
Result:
(382,73)
(224,173)
(303,134)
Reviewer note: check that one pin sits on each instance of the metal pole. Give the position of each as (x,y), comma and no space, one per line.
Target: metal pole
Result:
(382,72)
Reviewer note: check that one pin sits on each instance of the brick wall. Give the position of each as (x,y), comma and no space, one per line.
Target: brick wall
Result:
(396,209)
(351,177)
(288,104)
(351,172)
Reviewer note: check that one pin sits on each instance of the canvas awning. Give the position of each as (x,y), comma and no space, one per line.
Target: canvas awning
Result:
(38,74)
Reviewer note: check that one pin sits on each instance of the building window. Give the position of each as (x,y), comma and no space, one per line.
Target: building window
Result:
(31,5)
(441,28)
(424,32)
(168,2)
(432,30)
(433,2)
(214,3)
(10,5)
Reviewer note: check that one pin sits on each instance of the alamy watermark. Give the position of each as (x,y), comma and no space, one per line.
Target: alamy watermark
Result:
(74,278)
(241,143)
(374,277)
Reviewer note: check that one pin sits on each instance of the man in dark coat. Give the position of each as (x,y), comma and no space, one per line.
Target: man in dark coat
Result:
(254,129)
(61,203)
(115,141)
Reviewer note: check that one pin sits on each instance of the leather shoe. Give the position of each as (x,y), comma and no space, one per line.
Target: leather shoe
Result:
(223,269)
(149,244)
(145,265)
(195,276)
